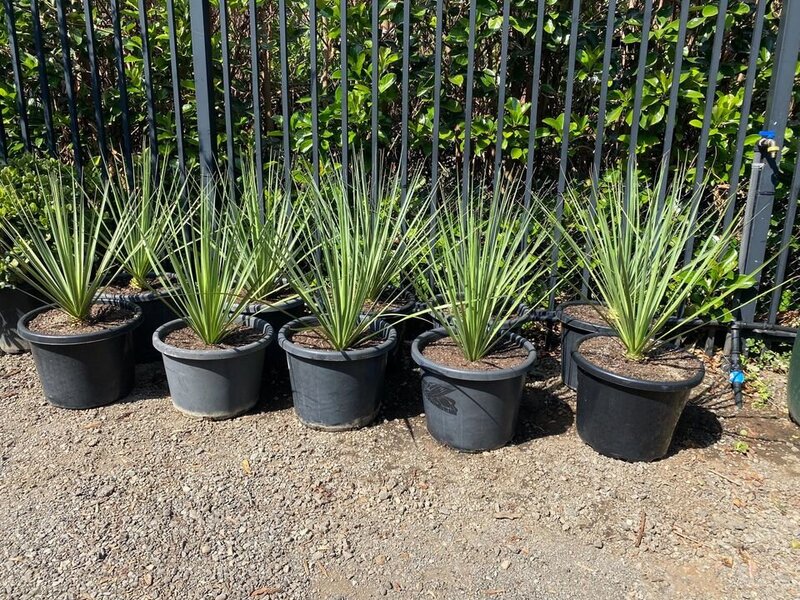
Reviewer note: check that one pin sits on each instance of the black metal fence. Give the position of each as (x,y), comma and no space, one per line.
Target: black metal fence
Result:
(532,53)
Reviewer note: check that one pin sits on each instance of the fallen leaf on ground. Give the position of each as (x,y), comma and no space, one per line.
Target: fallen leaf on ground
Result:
(246,467)
(267,590)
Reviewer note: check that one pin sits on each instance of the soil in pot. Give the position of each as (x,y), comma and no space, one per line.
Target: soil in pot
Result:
(472,405)
(155,312)
(14,303)
(218,381)
(336,390)
(578,319)
(83,364)
(628,408)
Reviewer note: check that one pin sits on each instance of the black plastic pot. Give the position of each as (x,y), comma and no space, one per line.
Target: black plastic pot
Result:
(572,330)
(398,319)
(214,384)
(471,411)
(336,390)
(277,314)
(86,370)
(155,312)
(793,387)
(14,303)
(628,418)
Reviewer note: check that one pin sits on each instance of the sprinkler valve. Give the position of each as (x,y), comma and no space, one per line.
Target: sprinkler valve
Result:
(767,143)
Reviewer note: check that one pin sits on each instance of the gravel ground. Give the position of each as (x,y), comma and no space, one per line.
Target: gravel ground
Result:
(137,501)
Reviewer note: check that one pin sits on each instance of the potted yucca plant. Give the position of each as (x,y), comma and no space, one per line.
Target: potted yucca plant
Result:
(473,366)
(142,204)
(266,233)
(81,345)
(350,250)
(632,383)
(20,182)
(213,353)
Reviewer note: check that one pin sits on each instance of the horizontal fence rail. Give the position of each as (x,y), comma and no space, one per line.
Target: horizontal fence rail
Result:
(554,89)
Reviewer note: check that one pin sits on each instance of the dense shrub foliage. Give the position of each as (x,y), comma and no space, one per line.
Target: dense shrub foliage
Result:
(556,27)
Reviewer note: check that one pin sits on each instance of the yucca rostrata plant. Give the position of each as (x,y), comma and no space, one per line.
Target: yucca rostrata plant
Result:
(644,257)
(80,344)
(356,248)
(213,353)
(487,259)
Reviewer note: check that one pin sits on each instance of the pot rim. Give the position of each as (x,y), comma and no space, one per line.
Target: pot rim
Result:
(143,296)
(575,322)
(268,333)
(631,382)
(81,338)
(285,304)
(467,375)
(409,304)
(389,342)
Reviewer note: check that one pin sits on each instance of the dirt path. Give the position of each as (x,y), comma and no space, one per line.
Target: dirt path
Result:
(137,501)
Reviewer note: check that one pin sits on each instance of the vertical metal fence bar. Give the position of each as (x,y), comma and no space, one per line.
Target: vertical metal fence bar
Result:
(287,164)
(122,84)
(535,83)
(44,86)
(148,82)
(312,34)
(404,100)
(744,119)
(711,92)
(255,70)
(200,18)
(465,178)
(501,93)
(374,107)
(22,107)
(562,167)
(788,229)
(343,68)
(226,94)
(3,142)
(677,66)
(780,94)
(97,98)
(601,118)
(437,100)
(176,86)
(69,84)
(647,18)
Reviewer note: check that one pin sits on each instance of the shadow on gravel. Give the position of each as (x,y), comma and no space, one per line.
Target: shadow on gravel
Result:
(698,427)
(402,397)
(542,414)
(276,392)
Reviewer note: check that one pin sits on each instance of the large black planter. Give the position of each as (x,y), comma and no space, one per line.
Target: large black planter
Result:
(277,314)
(214,384)
(628,418)
(86,370)
(155,312)
(793,387)
(471,410)
(572,330)
(336,390)
(398,319)
(14,303)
